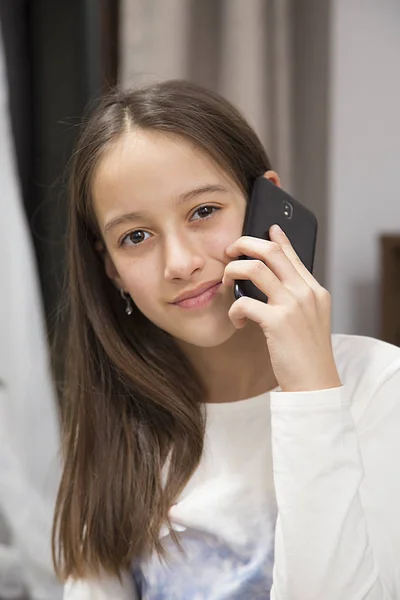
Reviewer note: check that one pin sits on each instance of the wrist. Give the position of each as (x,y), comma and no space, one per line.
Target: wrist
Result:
(314,385)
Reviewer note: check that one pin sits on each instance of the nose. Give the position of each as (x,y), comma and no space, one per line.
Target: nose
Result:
(182,258)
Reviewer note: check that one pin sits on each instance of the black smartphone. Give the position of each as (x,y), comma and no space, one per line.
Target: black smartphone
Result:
(271,205)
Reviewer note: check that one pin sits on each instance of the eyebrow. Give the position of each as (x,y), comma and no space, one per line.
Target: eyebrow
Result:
(185,197)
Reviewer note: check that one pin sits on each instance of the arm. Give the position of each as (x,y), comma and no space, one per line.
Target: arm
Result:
(336,534)
(332,535)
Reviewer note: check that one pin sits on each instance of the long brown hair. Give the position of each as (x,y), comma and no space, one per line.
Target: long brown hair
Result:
(131,400)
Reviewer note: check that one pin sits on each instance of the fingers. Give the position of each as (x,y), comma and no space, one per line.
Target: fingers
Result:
(248,308)
(259,274)
(270,259)
(270,318)
(268,252)
(278,236)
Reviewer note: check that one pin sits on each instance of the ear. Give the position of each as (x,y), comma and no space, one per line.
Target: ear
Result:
(273,177)
(109,266)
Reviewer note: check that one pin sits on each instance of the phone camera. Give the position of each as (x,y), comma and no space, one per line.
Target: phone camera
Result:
(287,209)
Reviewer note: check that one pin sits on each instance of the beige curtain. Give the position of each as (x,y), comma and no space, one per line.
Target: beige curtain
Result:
(269,57)
(224,46)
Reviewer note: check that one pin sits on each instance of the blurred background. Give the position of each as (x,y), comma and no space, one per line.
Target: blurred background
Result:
(319,81)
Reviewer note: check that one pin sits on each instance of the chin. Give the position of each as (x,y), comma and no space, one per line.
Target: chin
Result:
(207,337)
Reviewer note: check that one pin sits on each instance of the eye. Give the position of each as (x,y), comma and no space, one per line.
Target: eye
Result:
(204,212)
(134,238)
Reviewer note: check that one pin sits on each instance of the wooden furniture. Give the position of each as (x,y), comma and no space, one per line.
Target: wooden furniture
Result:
(390,289)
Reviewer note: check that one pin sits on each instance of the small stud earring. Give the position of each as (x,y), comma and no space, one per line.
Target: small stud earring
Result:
(129,303)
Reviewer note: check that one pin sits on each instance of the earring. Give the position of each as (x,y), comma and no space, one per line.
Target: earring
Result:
(129,303)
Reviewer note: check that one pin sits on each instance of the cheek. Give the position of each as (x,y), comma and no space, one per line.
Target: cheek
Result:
(226,235)
(141,282)
(216,245)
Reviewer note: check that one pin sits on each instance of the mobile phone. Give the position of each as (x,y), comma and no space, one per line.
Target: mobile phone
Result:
(271,205)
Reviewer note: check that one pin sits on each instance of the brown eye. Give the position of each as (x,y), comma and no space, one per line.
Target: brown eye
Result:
(134,238)
(204,212)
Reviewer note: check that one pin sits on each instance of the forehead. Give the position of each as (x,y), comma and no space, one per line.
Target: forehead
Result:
(141,167)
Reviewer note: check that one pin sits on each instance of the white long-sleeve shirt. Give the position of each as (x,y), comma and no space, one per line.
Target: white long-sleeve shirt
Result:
(297,496)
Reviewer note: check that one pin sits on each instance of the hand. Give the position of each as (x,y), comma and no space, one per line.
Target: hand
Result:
(296,321)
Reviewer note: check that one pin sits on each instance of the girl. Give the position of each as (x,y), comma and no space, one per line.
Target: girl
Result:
(214,448)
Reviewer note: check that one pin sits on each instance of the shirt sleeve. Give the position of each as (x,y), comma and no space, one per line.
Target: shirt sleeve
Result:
(338,492)
(101,588)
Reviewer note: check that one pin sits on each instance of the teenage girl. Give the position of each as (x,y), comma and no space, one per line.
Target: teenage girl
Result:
(214,448)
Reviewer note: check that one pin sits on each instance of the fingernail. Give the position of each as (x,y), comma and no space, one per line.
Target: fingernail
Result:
(276,229)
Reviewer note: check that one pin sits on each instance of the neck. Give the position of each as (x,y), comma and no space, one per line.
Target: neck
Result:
(236,370)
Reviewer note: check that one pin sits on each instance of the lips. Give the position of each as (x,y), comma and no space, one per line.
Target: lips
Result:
(203,298)
(196,292)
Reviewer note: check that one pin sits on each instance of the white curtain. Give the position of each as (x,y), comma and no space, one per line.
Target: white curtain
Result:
(247,40)
(29,434)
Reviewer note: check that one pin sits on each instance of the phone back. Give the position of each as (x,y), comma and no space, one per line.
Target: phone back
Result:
(270,205)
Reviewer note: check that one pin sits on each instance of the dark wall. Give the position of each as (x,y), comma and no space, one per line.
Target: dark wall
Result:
(59,56)
(16,41)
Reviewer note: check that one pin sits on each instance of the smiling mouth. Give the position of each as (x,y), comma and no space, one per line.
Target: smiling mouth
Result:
(201,300)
